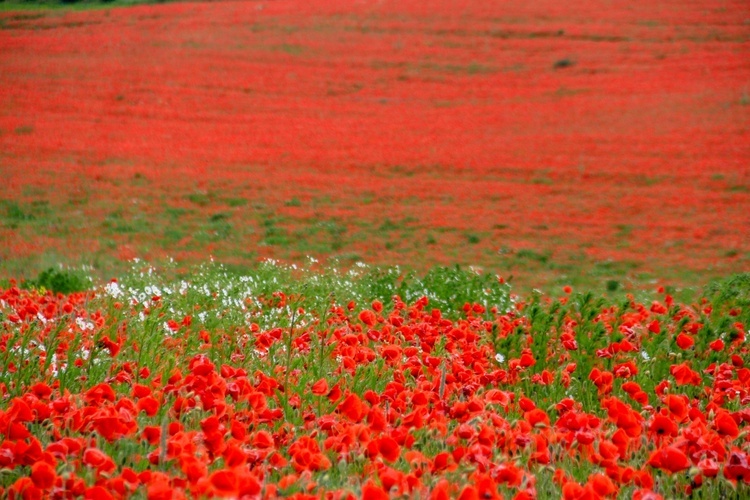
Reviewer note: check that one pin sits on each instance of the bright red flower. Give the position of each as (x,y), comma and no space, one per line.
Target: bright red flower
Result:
(41,390)
(43,475)
(683,375)
(320,387)
(149,405)
(737,468)
(99,393)
(685,341)
(536,417)
(225,482)
(509,474)
(602,485)
(200,365)
(98,492)
(527,360)
(441,491)
(670,459)
(709,467)
(573,491)
(677,406)
(717,345)
(392,480)
(334,394)
(389,448)
(468,493)
(19,411)
(368,317)
(152,434)
(97,459)
(663,426)
(352,407)
(372,492)
(725,425)
(263,439)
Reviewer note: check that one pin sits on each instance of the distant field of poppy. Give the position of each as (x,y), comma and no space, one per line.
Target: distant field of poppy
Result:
(375,249)
(560,143)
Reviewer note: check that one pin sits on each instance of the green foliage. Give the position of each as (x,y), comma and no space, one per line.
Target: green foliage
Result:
(734,290)
(532,255)
(612,285)
(449,288)
(77,3)
(60,281)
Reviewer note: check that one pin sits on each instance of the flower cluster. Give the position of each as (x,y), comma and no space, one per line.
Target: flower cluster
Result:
(573,397)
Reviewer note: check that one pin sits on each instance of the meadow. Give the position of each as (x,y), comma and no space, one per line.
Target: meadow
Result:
(335,249)
(370,384)
(579,145)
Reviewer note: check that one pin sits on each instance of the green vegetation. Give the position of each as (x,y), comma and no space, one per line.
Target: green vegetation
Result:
(64,281)
(79,4)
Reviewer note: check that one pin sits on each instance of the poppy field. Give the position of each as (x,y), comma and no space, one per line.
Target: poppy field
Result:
(370,384)
(374,249)
(562,145)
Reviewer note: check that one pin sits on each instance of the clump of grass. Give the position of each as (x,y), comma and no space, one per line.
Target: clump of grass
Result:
(563,63)
(60,281)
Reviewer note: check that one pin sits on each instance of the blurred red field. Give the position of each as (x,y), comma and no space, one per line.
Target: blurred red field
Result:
(547,138)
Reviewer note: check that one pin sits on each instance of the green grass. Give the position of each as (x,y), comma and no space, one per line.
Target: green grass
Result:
(13,5)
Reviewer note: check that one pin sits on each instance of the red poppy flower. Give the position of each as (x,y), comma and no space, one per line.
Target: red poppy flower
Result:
(320,387)
(670,459)
(685,341)
(389,448)
(43,475)
(677,406)
(152,434)
(225,482)
(41,390)
(663,426)
(527,360)
(573,491)
(97,459)
(352,407)
(602,485)
(19,411)
(99,393)
(200,365)
(737,468)
(683,375)
(149,405)
(509,474)
(334,394)
(441,491)
(99,492)
(368,317)
(717,345)
(392,480)
(372,492)
(709,467)
(725,425)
